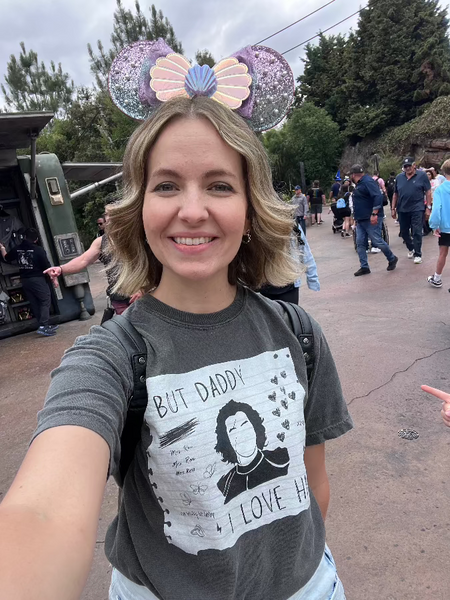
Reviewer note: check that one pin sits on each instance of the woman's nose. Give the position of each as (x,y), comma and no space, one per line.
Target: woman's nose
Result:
(193,207)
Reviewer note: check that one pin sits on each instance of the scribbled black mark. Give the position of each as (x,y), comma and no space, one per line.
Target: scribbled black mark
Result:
(219,528)
(285,424)
(198,488)
(288,356)
(291,395)
(277,412)
(209,471)
(274,380)
(282,389)
(275,355)
(284,404)
(283,374)
(185,498)
(273,397)
(198,530)
(281,436)
(178,433)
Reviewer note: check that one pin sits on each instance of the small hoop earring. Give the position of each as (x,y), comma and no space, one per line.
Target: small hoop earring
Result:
(247,237)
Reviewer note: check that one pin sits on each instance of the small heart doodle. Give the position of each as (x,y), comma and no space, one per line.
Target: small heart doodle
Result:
(281,436)
(291,395)
(284,404)
(275,355)
(273,397)
(277,412)
(285,424)
(283,374)
(274,380)
(198,531)
(283,390)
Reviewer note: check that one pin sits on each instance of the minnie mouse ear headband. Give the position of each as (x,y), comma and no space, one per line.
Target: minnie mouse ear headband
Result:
(256,82)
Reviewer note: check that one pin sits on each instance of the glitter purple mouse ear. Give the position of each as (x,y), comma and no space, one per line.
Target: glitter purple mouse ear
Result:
(256,82)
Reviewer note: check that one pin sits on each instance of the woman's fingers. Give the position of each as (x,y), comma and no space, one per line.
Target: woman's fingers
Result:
(437,393)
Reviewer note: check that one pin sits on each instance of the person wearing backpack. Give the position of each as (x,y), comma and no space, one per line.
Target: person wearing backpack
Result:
(390,186)
(317,199)
(234,421)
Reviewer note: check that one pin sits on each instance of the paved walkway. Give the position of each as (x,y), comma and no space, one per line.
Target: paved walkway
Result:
(388,524)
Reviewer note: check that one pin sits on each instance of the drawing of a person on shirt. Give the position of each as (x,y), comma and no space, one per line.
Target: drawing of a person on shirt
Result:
(241,437)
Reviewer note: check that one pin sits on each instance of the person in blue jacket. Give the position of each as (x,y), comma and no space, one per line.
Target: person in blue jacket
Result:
(440,223)
(368,214)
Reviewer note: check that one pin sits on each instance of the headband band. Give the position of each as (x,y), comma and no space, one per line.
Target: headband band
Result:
(256,82)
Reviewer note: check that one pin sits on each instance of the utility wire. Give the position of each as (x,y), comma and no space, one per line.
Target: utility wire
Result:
(324,30)
(295,22)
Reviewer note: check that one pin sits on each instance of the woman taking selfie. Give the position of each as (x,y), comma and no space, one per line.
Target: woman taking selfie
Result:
(227,492)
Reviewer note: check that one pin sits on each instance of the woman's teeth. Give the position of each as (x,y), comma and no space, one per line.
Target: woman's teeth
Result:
(192,241)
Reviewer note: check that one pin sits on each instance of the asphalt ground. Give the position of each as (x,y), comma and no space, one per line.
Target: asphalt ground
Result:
(389,524)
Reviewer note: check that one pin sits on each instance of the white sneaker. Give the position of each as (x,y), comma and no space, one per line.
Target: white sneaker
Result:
(375,250)
(411,254)
(434,282)
(417,260)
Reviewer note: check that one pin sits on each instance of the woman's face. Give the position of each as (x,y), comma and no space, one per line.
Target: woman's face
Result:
(429,175)
(195,205)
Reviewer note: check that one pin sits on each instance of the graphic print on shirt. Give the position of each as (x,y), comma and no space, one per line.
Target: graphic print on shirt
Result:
(25,259)
(227,449)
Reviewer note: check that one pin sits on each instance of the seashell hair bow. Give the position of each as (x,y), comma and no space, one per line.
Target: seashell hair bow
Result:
(256,82)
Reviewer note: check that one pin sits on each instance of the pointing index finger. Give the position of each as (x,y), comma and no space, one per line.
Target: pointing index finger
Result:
(437,393)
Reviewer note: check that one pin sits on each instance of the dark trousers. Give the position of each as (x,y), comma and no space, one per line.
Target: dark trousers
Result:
(301,223)
(38,295)
(412,222)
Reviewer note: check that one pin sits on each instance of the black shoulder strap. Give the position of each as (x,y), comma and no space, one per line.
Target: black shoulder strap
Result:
(134,344)
(302,327)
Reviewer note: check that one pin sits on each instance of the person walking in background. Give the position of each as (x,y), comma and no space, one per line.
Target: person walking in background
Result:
(343,208)
(101,225)
(335,189)
(368,214)
(411,188)
(440,224)
(317,199)
(390,186)
(32,261)
(301,207)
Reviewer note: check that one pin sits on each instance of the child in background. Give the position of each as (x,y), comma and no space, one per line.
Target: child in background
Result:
(440,223)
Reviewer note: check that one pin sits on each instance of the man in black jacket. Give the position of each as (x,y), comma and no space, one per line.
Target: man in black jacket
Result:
(32,261)
(368,214)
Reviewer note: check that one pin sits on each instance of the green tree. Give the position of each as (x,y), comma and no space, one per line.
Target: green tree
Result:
(204,57)
(311,136)
(324,78)
(31,86)
(129,27)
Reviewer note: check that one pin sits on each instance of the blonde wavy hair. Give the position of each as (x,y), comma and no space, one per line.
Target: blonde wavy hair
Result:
(267,259)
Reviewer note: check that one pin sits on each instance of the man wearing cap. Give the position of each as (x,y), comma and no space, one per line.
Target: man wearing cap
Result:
(368,214)
(412,196)
(335,189)
(301,207)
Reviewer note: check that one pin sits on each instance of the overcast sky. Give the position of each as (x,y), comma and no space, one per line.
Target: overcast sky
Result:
(60,30)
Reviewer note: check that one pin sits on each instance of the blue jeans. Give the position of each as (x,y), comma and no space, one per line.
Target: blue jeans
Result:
(366,231)
(323,585)
(412,221)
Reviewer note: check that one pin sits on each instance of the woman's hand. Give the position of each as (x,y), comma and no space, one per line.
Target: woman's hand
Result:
(445,412)
(54,273)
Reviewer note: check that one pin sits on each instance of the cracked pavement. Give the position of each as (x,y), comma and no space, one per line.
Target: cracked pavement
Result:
(388,524)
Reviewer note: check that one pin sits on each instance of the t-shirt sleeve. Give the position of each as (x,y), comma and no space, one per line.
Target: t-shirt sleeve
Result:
(326,413)
(426,183)
(90,389)
(43,260)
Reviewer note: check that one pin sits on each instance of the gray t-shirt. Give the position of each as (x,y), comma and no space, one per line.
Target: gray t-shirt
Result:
(216,504)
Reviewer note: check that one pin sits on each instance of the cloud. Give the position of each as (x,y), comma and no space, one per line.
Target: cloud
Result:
(61,34)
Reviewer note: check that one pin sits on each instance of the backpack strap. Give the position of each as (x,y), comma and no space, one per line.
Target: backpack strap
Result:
(302,327)
(136,349)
